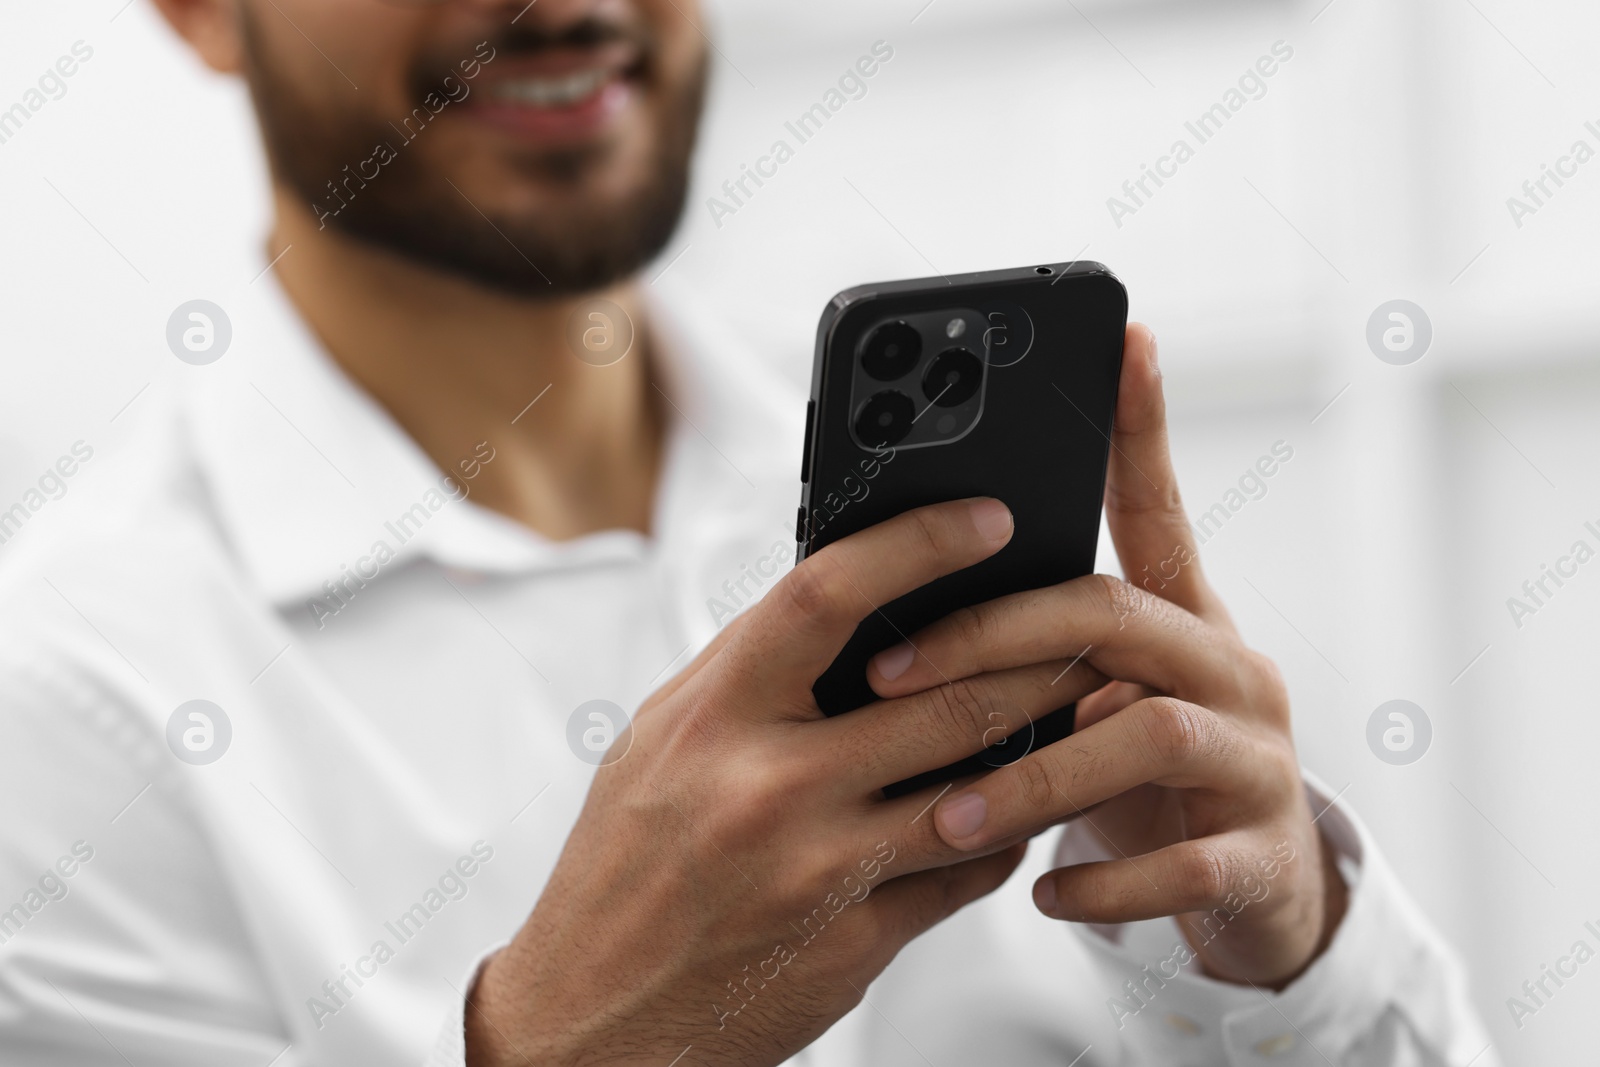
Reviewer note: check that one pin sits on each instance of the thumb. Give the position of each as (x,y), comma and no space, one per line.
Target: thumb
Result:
(1144,511)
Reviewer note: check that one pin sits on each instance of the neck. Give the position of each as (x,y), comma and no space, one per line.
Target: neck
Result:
(456,364)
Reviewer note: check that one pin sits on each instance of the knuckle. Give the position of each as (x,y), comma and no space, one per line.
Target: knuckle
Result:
(808,876)
(1035,782)
(1205,872)
(762,790)
(1269,688)
(969,626)
(695,725)
(1175,731)
(931,529)
(1166,501)
(749,805)
(812,589)
(960,710)
(1124,600)
(1280,766)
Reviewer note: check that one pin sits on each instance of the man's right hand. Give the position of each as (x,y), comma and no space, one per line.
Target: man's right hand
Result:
(736,881)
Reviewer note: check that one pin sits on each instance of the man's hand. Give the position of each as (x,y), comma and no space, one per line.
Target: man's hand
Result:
(736,880)
(1184,764)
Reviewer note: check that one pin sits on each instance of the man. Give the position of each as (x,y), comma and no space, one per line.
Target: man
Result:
(303,703)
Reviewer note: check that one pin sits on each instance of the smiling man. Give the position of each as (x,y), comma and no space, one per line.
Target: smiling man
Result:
(315,751)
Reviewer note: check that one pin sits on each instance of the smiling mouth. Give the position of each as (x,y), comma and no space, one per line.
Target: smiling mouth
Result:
(554,92)
(563,96)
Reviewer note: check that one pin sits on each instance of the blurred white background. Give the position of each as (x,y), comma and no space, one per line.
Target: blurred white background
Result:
(1376,166)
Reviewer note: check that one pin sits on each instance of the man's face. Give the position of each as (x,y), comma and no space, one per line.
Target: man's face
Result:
(539,149)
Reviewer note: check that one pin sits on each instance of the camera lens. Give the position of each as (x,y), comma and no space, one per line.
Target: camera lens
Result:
(885,419)
(891,350)
(953,377)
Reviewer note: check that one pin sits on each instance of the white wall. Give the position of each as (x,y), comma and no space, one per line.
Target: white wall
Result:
(1377,165)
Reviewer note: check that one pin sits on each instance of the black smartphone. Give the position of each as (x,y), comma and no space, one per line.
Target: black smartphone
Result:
(997,384)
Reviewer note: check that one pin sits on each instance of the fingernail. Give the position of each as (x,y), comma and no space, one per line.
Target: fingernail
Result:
(963,816)
(891,663)
(992,518)
(1155,356)
(1044,895)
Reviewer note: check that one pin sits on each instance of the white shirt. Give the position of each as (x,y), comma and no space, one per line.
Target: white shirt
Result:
(395,779)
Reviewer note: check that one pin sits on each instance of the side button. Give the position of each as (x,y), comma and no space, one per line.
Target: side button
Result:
(805,454)
(800,525)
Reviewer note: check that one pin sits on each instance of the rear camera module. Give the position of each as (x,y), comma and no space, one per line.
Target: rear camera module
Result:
(890,351)
(885,419)
(934,362)
(952,378)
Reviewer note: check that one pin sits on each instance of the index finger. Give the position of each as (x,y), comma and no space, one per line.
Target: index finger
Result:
(798,628)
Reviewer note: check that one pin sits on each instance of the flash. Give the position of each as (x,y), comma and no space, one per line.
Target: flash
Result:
(955,328)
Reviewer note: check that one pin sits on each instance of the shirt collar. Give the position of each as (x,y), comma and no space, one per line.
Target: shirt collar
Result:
(312,479)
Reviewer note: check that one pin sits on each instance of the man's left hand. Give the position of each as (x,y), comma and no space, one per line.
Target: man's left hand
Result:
(1183,763)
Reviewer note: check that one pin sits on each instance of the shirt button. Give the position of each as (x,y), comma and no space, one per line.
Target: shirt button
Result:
(1183,1024)
(1275,1046)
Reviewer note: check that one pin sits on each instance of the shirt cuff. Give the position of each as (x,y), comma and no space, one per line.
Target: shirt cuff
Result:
(1386,981)
(450,1049)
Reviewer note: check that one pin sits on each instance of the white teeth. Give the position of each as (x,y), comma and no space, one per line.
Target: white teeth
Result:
(551,92)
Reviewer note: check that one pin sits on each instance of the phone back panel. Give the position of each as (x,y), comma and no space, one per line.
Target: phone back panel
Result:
(1039,444)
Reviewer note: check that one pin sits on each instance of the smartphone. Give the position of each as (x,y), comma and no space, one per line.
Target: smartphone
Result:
(997,384)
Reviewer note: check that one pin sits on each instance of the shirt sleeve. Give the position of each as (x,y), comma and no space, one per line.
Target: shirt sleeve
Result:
(450,1050)
(1387,991)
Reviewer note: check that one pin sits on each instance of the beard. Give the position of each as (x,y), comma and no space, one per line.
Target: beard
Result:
(410,209)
